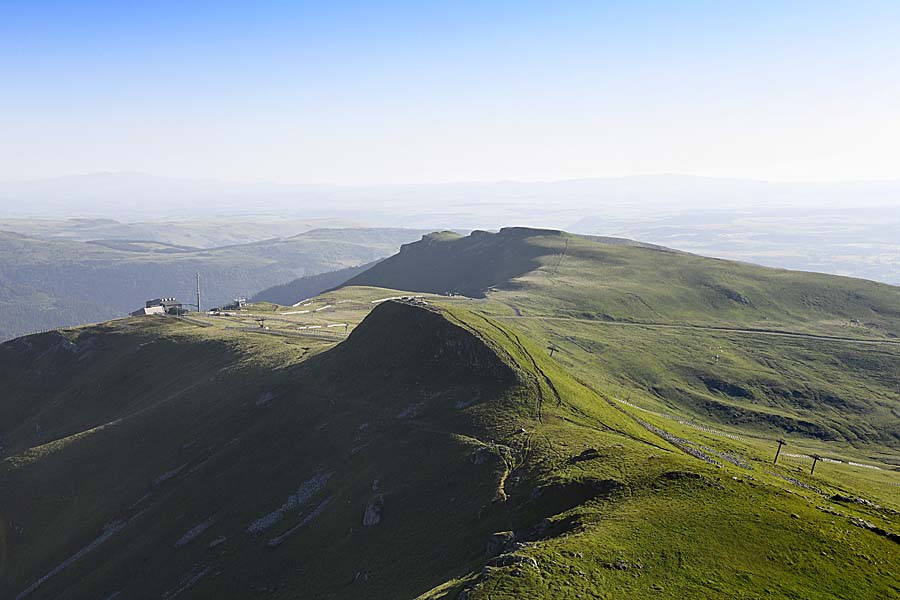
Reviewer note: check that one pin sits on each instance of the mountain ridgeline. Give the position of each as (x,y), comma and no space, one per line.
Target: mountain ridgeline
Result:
(614,279)
(593,418)
(448,263)
(729,342)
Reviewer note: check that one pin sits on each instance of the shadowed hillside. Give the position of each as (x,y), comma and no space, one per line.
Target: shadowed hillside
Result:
(543,272)
(187,468)
(437,451)
(447,262)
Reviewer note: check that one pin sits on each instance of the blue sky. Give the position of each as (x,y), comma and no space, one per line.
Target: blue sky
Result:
(366,92)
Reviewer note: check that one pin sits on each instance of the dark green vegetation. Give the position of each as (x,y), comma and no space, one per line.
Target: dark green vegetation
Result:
(440,451)
(48,283)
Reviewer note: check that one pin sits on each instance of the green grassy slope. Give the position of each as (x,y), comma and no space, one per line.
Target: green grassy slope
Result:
(775,351)
(48,283)
(544,272)
(159,426)
(824,390)
(446,262)
(547,439)
(166,459)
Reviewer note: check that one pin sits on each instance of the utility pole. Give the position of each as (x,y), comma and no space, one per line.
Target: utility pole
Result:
(781,443)
(198,292)
(816,459)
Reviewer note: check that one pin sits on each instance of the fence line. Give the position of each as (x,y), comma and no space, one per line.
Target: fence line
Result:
(833,461)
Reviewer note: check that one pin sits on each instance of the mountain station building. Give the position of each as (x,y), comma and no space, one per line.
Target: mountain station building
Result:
(160,306)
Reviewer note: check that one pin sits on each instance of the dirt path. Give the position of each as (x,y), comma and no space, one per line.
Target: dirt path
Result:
(719,328)
(518,343)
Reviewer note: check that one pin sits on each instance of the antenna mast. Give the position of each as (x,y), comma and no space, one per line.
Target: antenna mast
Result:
(198,292)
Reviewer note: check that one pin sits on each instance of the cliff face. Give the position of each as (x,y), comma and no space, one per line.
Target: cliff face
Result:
(444,263)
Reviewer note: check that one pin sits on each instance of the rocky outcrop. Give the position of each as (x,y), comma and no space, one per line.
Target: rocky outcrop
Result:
(506,560)
(500,542)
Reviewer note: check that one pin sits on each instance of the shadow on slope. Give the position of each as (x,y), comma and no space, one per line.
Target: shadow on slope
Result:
(449,263)
(379,468)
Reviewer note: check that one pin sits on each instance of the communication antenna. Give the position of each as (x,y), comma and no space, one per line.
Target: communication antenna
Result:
(198,292)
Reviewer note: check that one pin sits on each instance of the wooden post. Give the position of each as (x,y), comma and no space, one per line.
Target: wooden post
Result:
(815,458)
(781,443)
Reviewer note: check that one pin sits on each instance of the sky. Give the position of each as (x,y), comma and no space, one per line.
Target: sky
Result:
(421,92)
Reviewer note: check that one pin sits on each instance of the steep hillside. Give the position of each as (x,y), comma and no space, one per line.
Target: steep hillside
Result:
(51,283)
(436,452)
(447,262)
(552,273)
(779,352)
(305,476)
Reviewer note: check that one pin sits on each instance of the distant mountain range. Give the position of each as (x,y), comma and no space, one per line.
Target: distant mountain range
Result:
(845,228)
(207,231)
(47,283)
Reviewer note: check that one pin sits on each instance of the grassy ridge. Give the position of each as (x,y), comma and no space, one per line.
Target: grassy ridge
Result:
(726,342)
(551,273)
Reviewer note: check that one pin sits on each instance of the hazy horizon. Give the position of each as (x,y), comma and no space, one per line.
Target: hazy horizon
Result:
(250,181)
(845,228)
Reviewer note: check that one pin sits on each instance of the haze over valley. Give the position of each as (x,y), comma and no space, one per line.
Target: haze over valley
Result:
(844,229)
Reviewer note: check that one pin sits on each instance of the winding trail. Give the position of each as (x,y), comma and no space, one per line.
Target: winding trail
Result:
(518,343)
